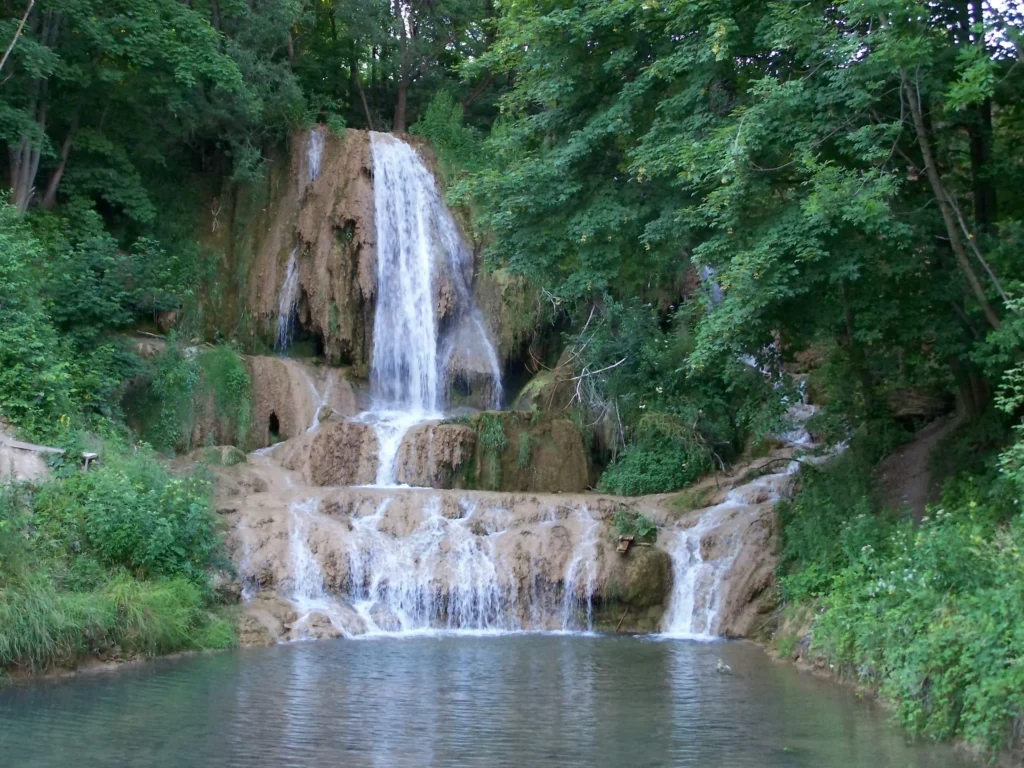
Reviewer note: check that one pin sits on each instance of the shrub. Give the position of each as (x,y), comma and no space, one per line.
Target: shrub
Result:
(185,386)
(34,377)
(635,524)
(933,617)
(42,627)
(131,513)
(525,450)
(657,463)
(108,562)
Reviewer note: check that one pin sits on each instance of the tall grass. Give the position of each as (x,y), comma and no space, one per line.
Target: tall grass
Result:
(42,627)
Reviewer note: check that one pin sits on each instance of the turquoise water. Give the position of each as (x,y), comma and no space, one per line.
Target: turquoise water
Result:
(526,700)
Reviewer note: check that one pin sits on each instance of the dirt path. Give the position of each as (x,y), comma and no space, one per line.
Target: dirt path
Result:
(905,478)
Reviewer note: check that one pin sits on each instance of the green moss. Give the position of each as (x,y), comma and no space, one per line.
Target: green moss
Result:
(690,499)
(525,450)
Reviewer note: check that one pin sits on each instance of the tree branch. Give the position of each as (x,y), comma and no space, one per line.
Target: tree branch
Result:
(17,33)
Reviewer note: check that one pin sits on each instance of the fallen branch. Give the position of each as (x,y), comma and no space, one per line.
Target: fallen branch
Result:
(17,33)
(587,373)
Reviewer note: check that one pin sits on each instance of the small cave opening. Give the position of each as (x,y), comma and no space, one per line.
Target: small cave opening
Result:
(274,427)
(460,385)
(307,341)
(516,373)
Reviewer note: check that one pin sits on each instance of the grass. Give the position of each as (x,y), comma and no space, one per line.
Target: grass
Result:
(42,627)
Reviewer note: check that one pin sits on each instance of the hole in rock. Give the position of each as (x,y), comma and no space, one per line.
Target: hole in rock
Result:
(274,427)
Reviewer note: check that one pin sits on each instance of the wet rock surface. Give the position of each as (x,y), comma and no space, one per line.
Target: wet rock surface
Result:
(395,559)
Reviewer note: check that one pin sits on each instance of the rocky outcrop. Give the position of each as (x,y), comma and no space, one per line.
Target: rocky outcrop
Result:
(491,451)
(287,396)
(342,453)
(528,452)
(638,590)
(436,455)
(327,221)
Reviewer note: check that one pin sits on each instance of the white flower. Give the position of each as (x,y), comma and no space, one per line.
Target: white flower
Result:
(658,390)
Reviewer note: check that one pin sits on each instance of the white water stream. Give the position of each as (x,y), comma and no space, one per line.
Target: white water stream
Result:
(443,575)
(419,246)
(286,303)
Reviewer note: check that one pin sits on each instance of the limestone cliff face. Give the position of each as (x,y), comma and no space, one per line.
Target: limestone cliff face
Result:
(496,451)
(324,215)
(327,221)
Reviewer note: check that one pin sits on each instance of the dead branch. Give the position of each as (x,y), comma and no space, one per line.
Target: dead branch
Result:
(17,33)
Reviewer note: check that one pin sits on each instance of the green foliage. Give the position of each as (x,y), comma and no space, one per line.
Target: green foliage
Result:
(111,562)
(131,513)
(458,146)
(927,615)
(932,616)
(492,434)
(638,525)
(34,375)
(191,390)
(42,627)
(826,524)
(525,452)
(494,441)
(658,469)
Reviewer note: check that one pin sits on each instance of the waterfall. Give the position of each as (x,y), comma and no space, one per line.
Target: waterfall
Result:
(391,567)
(422,260)
(578,588)
(696,584)
(307,590)
(314,153)
(287,303)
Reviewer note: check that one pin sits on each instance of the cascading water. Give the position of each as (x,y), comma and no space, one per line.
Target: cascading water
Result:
(693,609)
(578,589)
(432,564)
(307,590)
(314,154)
(287,303)
(418,246)
(698,584)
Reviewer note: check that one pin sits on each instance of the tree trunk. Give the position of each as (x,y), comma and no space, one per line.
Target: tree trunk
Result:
(981,142)
(400,105)
(50,198)
(24,160)
(403,71)
(476,92)
(945,204)
(857,357)
(366,107)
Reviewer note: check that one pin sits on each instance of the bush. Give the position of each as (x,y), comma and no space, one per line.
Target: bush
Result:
(825,524)
(109,562)
(930,616)
(42,627)
(641,471)
(186,386)
(34,377)
(634,524)
(132,513)
(933,617)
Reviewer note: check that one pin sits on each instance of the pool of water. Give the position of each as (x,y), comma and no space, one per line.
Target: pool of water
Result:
(524,700)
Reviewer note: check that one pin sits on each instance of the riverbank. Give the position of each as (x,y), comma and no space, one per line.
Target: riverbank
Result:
(924,615)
